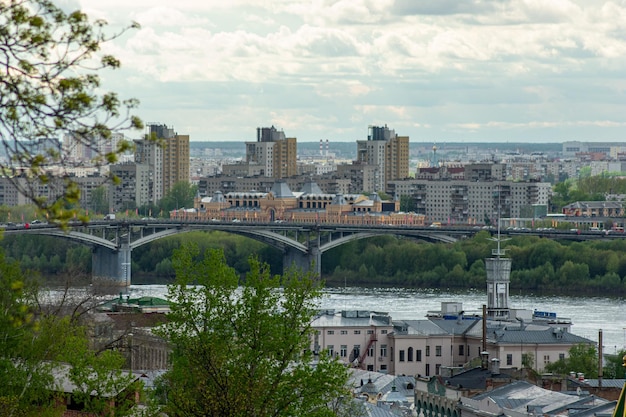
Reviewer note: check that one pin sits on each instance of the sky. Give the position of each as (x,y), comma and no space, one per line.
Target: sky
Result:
(434,70)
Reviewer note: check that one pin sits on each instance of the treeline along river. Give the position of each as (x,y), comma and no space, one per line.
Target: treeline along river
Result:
(588,314)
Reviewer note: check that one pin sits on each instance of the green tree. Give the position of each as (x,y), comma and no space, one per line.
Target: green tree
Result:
(244,350)
(407,203)
(100,200)
(581,358)
(50,88)
(181,195)
(614,367)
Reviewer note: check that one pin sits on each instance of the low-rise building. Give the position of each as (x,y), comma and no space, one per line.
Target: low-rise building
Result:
(374,341)
(594,209)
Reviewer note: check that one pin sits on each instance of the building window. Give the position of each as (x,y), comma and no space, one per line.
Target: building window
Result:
(344,332)
(383,351)
(370,368)
(357,332)
(383,368)
(383,332)
(546,359)
(427,369)
(401,356)
(370,332)
(461,350)
(370,351)
(330,332)
(331,350)
(561,356)
(357,351)
(438,350)
(409,354)
(437,368)
(418,355)
(344,351)
(509,359)
(427,351)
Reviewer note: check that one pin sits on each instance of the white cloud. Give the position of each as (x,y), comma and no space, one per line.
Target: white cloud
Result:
(316,66)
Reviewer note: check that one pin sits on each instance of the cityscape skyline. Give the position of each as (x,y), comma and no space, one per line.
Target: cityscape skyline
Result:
(516,70)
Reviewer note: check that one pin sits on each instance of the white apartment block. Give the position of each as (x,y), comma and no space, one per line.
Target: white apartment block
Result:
(149,152)
(471,202)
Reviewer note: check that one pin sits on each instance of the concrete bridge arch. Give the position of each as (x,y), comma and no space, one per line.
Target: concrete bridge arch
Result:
(112,242)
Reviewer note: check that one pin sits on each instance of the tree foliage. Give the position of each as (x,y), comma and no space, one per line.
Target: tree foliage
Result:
(581,358)
(36,343)
(180,196)
(244,350)
(49,90)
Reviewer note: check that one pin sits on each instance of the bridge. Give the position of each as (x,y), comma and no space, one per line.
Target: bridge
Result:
(302,244)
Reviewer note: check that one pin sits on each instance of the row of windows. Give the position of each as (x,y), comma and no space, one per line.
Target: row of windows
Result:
(343,350)
(418,354)
(344,332)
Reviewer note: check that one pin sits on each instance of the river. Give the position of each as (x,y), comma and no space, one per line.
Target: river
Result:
(588,314)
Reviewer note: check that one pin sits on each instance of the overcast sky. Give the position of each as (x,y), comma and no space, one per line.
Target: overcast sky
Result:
(435,70)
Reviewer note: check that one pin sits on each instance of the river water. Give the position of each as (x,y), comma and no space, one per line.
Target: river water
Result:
(588,314)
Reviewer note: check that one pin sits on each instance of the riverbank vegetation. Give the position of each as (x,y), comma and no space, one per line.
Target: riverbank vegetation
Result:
(539,265)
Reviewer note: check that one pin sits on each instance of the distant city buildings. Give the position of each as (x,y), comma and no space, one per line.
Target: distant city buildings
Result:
(446,183)
(160,161)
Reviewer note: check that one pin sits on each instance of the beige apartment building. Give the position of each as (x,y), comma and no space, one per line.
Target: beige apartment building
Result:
(272,155)
(175,155)
(175,161)
(388,152)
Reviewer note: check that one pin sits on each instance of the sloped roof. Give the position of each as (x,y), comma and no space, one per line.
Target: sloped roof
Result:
(521,396)
(594,204)
(418,327)
(548,336)
(218,197)
(280,189)
(475,378)
(456,327)
(311,187)
(339,200)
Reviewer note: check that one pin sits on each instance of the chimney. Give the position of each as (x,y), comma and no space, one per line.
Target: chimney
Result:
(495,366)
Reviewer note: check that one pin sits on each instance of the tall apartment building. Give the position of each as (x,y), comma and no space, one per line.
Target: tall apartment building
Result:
(132,190)
(149,152)
(386,150)
(274,154)
(175,155)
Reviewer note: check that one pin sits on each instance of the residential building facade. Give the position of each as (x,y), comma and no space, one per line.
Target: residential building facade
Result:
(273,154)
(471,202)
(388,152)
(132,188)
(175,155)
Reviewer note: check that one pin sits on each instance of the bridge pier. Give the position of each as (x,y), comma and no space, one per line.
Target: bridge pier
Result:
(311,261)
(111,267)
